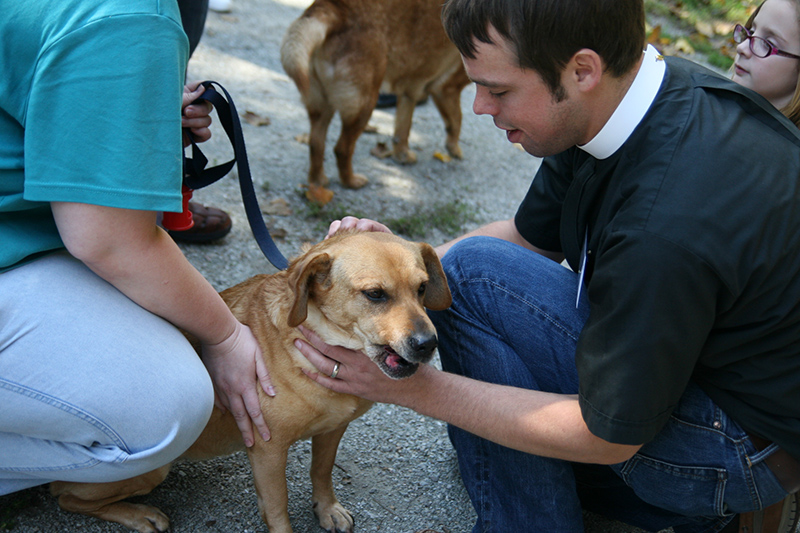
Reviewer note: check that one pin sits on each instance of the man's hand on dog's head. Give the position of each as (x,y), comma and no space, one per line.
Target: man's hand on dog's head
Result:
(360,224)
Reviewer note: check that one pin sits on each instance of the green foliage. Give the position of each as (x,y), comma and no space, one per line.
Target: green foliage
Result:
(729,10)
(700,29)
(449,218)
(326,214)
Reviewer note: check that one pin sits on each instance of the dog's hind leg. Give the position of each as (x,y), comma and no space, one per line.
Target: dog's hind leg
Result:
(353,124)
(268,461)
(447,98)
(320,119)
(102,500)
(331,514)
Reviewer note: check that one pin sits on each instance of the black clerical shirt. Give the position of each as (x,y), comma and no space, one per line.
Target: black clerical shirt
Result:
(694,260)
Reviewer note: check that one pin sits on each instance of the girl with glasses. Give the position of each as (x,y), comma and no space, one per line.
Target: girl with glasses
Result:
(768,55)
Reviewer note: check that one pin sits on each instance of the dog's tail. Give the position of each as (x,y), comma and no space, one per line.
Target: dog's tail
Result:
(304,35)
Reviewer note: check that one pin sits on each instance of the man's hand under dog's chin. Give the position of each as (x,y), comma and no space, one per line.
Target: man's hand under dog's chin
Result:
(357,374)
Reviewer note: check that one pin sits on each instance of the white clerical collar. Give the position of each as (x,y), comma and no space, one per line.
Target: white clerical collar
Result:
(632,109)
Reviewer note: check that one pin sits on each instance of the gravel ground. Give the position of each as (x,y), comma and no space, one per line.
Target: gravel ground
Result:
(395,471)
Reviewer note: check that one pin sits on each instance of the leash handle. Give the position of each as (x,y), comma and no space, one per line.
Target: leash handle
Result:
(197,176)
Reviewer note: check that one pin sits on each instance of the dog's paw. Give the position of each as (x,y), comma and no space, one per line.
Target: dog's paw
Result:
(455,150)
(139,517)
(318,179)
(334,518)
(319,196)
(404,156)
(356,181)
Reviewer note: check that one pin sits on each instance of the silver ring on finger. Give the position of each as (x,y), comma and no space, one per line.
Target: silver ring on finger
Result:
(335,371)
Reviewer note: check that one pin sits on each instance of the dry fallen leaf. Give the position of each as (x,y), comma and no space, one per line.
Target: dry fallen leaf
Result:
(278,233)
(256,120)
(683,46)
(278,207)
(444,158)
(723,28)
(381,150)
(655,35)
(318,195)
(302,138)
(704,28)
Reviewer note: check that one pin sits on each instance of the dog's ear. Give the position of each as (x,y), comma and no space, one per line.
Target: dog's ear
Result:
(437,293)
(301,276)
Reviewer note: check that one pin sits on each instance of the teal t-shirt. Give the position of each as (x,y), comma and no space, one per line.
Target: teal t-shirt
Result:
(90,96)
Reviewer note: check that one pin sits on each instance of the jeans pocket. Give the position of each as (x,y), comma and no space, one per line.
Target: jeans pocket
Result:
(686,490)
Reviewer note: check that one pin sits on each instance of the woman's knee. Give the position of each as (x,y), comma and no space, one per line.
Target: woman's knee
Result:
(163,418)
(172,402)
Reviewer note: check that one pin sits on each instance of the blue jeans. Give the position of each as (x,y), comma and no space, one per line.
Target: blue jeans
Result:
(514,321)
(93,388)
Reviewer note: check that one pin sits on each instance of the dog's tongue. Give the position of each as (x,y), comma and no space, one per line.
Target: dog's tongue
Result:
(393,360)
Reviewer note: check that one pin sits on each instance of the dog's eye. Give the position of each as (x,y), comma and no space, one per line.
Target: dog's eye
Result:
(376,295)
(421,290)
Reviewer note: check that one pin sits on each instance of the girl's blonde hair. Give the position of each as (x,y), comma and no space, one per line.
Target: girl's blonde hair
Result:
(792,110)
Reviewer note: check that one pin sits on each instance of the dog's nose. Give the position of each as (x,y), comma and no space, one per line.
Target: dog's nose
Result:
(423,347)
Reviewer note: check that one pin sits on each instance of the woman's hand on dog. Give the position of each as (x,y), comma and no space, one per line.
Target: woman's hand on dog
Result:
(235,365)
(360,224)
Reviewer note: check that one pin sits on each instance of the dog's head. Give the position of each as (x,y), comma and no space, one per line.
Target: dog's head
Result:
(368,291)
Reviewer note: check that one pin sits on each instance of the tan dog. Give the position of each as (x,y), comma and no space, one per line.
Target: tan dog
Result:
(366,291)
(339,54)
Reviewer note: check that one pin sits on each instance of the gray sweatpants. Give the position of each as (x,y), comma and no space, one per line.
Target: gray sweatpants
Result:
(92,386)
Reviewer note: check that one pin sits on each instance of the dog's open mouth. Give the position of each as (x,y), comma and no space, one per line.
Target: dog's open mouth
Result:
(395,366)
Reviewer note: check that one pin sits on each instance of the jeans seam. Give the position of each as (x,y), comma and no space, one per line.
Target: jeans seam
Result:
(66,407)
(747,472)
(485,486)
(61,468)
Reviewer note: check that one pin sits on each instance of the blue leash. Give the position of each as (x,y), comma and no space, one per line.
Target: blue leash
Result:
(197,176)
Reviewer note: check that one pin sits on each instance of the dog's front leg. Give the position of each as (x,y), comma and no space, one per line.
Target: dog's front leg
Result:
(268,461)
(330,513)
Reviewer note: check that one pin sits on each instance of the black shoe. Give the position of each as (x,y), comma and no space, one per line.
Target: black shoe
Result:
(389,100)
(386,100)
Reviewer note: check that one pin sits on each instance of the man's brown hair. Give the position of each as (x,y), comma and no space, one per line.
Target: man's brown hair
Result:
(547,33)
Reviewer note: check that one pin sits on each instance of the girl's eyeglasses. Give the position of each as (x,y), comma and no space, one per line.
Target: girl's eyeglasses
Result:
(758,45)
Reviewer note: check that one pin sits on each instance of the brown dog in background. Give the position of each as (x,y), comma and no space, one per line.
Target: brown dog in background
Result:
(366,291)
(340,53)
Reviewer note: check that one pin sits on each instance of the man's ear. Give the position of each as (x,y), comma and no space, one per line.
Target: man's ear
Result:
(585,69)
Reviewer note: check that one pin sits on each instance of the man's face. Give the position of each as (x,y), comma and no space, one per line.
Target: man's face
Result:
(520,102)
